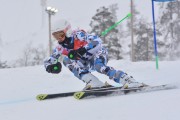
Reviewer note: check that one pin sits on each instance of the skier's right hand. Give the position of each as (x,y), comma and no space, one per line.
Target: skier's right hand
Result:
(54,68)
(52,65)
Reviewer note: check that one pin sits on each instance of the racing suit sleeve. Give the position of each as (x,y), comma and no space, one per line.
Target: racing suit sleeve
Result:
(53,59)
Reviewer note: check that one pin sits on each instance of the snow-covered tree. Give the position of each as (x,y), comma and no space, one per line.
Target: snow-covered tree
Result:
(144,47)
(103,19)
(113,8)
(3,64)
(170,27)
(39,54)
(31,56)
(143,38)
(0,40)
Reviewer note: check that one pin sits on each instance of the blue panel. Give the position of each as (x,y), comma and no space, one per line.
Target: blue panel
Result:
(163,0)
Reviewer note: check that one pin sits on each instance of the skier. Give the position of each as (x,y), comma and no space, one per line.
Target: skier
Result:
(83,54)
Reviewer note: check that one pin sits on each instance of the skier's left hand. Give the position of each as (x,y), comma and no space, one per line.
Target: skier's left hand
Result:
(77,54)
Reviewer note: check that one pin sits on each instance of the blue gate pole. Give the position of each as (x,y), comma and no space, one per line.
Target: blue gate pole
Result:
(155,42)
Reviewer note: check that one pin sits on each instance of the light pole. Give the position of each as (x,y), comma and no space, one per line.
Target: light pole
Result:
(132,34)
(50,11)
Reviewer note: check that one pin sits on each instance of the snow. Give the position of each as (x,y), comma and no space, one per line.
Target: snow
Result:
(19,86)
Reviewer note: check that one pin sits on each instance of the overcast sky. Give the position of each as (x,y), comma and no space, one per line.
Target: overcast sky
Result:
(21,21)
(21,17)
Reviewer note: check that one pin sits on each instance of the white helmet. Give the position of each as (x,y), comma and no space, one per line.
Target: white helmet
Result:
(62,25)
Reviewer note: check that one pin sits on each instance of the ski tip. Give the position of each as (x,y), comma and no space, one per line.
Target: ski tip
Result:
(78,95)
(41,96)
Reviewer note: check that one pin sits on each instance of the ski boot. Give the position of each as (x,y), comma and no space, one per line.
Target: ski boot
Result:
(129,82)
(92,82)
(121,77)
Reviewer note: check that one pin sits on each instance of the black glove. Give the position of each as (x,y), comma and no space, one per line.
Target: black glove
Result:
(54,68)
(77,54)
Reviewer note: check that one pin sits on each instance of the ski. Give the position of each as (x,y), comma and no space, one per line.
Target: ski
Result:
(116,92)
(112,91)
(41,97)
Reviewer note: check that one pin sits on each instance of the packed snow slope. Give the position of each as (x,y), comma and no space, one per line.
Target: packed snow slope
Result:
(19,87)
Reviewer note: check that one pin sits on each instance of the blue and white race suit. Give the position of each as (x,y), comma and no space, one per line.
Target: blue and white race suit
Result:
(95,59)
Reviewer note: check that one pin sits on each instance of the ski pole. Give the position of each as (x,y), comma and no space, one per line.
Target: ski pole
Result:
(113,26)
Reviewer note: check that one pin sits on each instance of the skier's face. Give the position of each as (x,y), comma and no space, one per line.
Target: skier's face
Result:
(59,36)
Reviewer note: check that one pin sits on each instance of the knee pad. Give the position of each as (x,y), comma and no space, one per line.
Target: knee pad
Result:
(98,64)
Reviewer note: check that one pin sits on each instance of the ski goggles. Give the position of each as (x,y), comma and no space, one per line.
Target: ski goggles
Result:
(59,35)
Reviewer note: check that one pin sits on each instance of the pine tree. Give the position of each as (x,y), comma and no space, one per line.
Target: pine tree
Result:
(0,40)
(31,56)
(103,19)
(170,27)
(3,64)
(143,38)
(144,48)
